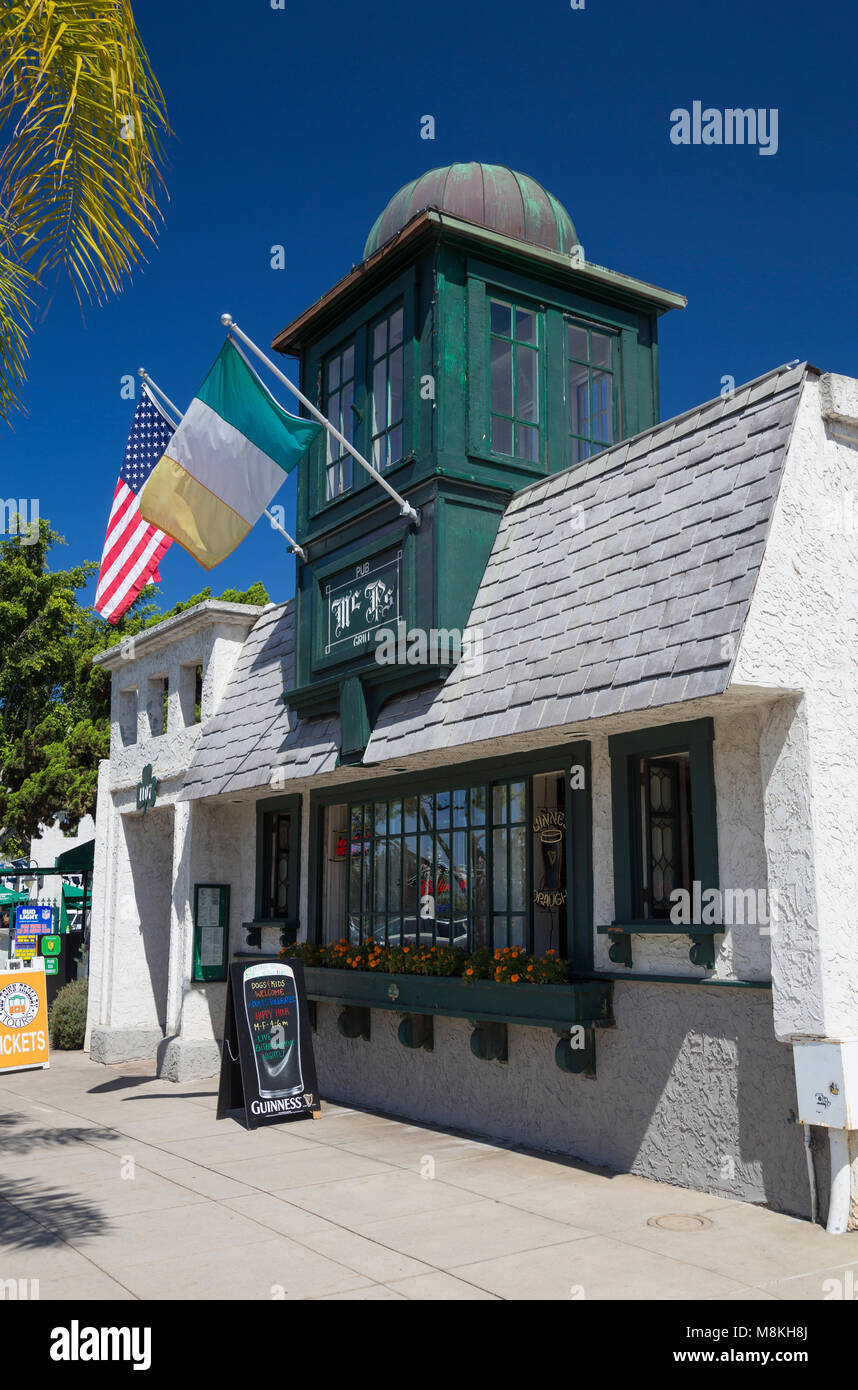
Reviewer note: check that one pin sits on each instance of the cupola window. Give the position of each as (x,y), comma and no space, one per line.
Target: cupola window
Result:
(339,408)
(387,393)
(591,389)
(515,349)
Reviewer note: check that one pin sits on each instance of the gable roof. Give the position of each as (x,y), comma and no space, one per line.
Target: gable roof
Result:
(621,584)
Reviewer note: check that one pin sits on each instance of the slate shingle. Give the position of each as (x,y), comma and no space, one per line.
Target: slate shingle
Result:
(628,611)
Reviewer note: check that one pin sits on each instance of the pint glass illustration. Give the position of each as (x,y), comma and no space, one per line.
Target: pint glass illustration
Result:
(271,1005)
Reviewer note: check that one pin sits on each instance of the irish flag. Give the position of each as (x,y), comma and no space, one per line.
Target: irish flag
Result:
(225,462)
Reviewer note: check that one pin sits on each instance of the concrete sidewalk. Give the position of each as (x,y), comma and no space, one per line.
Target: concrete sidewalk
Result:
(117,1185)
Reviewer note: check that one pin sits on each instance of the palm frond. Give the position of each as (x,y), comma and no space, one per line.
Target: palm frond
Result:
(15,306)
(81,122)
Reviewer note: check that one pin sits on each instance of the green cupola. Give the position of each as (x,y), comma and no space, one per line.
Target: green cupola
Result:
(472,351)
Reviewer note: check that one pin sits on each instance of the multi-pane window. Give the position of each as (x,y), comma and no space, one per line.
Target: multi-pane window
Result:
(666,832)
(339,402)
(509,864)
(450,867)
(515,348)
(591,389)
(387,392)
(277,896)
(417,869)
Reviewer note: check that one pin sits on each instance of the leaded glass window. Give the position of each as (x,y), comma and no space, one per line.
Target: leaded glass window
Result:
(515,373)
(386,349)
(276,867)
(591,389)
(666,832)
(339,408)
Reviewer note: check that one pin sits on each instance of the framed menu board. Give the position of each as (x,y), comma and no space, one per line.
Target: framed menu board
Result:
(211,930)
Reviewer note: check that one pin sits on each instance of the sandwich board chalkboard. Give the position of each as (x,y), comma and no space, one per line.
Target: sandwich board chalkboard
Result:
(267,1065)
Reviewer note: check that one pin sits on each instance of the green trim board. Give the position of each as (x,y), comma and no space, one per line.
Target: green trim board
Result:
(579,1003)
(211,931)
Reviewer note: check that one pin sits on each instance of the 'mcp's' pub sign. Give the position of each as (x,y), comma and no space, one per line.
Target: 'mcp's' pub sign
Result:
(357,605)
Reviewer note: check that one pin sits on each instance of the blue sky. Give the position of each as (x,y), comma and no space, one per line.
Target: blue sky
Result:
(294,126)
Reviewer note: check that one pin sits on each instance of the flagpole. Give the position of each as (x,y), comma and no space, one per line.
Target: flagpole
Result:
(405,508)
(293,544)
(142,372)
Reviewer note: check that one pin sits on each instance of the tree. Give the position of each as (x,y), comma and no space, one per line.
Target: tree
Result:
(81,118)
(54,704)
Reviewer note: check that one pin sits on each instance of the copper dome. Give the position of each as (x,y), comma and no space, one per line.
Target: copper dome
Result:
(489,194)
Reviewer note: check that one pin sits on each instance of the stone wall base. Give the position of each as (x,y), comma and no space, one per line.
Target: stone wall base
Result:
(110,1045)
(180,1059)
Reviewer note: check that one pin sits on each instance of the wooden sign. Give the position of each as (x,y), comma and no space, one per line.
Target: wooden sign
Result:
(24,1039)
(267,1064)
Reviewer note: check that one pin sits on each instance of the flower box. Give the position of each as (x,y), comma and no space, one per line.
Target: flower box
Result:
(586,1003)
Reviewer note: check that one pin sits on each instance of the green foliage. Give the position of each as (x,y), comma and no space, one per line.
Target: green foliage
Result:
(67,1020)
(54,704)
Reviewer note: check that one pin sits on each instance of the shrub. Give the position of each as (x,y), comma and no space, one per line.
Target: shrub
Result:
(68,1017)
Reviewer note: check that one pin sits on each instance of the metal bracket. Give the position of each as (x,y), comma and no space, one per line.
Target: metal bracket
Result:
(354,1022)
(489,1041)
(417,1030)
(576,1052)
(620,950)
(703,951)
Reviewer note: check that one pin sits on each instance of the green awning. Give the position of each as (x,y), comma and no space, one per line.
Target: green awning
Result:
(79,860)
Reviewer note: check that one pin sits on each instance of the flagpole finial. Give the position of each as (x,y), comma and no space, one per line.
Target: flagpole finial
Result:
(141,371)
(226,320)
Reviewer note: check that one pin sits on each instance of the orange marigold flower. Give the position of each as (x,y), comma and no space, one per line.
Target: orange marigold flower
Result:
(515,979)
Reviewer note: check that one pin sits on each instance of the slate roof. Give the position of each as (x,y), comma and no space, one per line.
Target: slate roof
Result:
(621,584)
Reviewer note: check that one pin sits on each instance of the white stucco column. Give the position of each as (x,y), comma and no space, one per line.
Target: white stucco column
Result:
(181,915)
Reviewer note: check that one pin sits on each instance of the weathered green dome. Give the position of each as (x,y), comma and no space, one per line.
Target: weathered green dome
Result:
(489,194)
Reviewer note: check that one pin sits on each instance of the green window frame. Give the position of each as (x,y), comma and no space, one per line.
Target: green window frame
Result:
(592,373)
(278,856)
(643,764)
(516,334)
(339,377)
(387,388)
(211,970)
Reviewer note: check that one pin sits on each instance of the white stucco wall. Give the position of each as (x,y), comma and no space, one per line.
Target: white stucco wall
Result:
(802,635)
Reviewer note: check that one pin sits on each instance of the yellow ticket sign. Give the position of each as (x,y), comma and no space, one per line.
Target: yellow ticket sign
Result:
(23,1018)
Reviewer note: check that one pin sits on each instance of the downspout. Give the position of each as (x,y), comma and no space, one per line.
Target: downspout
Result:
(841,1182)
(811,1174)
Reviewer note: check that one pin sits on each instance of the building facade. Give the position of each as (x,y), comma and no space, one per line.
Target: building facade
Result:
(600,699)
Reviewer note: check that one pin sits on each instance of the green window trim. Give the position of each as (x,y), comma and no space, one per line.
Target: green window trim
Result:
(593,367)
(694,737)
(339,378)
(270,815)
(357,330)
(211,970)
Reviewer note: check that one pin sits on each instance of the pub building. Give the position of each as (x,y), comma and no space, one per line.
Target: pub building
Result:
(613,657)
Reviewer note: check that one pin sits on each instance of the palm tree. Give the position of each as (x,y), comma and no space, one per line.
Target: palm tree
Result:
(81,116)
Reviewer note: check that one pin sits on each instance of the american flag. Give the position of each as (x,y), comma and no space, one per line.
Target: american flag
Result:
(133,548)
